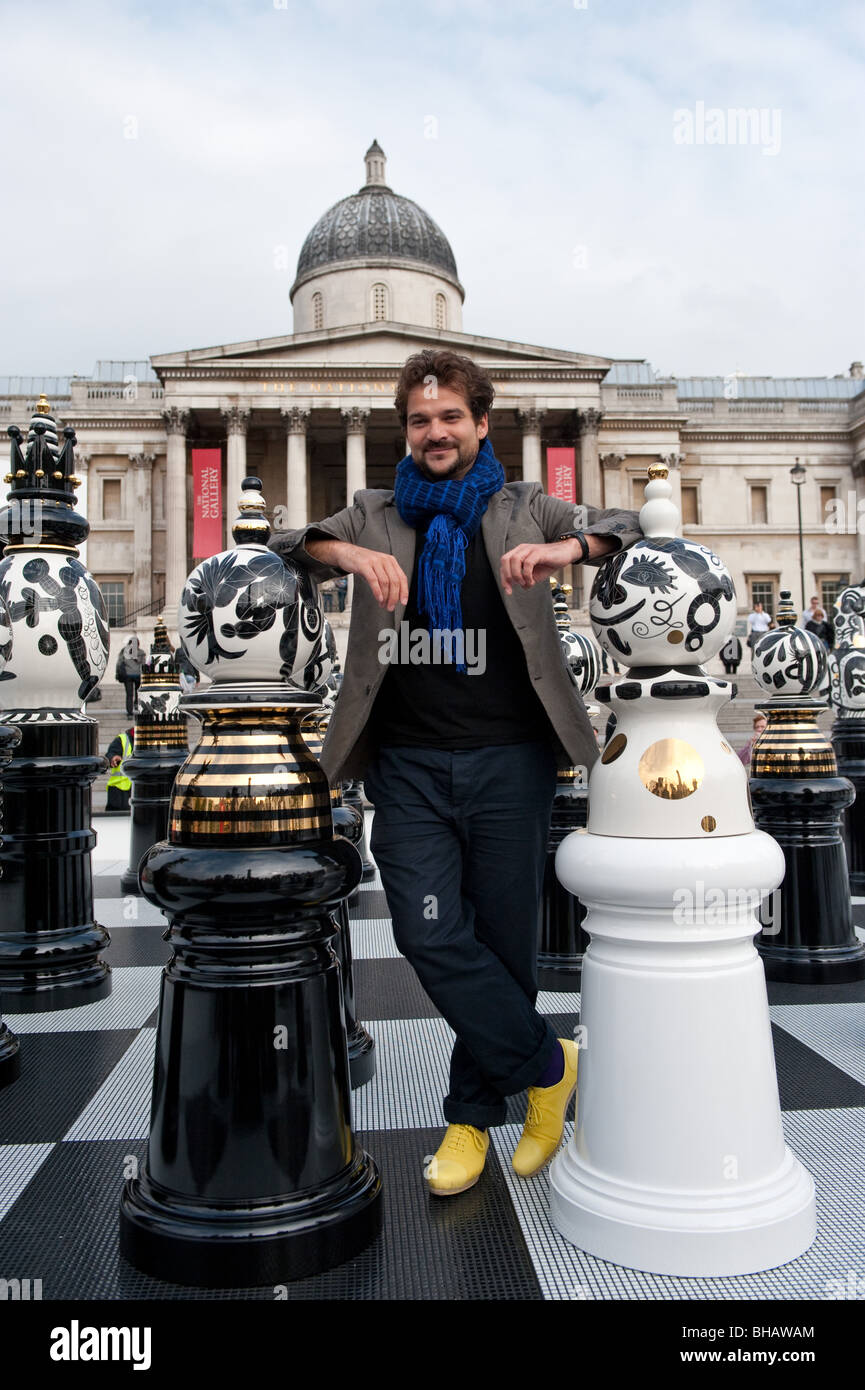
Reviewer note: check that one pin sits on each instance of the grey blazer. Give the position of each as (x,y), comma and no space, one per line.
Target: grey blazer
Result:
(518,513)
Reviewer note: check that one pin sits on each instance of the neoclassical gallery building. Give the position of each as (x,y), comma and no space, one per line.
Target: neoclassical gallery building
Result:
(311,413)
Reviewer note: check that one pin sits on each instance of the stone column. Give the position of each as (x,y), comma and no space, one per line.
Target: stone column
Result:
(176,561)
(82,466)
(355,418)
(142,514)
(674,464)
(236,421)
(611,470)
(530,422)
(588,424)
(295,420)
(859,475)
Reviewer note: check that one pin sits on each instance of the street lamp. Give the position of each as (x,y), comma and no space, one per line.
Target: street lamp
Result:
(798,475)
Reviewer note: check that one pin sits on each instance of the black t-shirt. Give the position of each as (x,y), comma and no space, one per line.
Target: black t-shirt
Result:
(428,703)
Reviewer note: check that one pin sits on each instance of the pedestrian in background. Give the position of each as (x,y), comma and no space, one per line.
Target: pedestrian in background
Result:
(118,784)
(127,672)
(731,654)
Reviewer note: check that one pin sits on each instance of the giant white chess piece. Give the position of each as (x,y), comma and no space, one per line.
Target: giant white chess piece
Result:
(678,1163)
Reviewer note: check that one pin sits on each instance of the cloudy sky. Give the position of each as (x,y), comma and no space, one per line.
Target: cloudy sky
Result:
(162,164)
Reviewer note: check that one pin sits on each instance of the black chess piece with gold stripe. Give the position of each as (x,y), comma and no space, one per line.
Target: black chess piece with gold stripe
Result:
(10,1054)
(352,795)
(252,1175)
(50,942)
(798,798)
(161,749)
(348,822)
(561,939)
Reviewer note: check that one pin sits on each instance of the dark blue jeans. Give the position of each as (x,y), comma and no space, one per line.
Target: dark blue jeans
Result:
(460,839)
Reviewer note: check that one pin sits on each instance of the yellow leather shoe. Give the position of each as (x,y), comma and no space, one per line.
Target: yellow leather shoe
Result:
(545,1117)
(458,1162)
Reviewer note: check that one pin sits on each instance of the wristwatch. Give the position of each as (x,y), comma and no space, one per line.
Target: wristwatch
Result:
(584,544)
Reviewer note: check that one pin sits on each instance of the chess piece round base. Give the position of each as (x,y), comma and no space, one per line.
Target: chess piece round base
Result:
(251,1175)
(10,1057)
(361,1057)
(225,1245)
(678,1163)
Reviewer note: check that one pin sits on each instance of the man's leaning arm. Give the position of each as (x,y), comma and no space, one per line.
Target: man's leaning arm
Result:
(343,526)
(556,517)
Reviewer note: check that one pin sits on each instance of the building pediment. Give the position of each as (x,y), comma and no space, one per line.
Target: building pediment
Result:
(365,346)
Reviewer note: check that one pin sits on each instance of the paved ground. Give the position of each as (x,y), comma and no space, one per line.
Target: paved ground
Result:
(81,1108)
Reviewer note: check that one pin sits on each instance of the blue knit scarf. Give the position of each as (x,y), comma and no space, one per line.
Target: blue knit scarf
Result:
(452,513)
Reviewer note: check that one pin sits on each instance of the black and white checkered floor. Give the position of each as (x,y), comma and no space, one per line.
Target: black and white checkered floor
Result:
(80,1109)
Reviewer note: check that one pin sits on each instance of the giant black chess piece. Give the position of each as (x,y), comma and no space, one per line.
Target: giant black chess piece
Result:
(161,748)
(347,821)
(561,939)
(798,798)
(10,1056)
(847,693)
(49,941)
(252,1174)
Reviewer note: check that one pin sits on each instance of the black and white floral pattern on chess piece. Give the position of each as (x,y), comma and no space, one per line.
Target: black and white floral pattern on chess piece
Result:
(661,599)
(57,594)
(5,634)
(248,606)
(847,682)
(790,656)
(849,619)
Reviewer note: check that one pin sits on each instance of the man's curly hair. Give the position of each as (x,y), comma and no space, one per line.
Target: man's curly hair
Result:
(438,367)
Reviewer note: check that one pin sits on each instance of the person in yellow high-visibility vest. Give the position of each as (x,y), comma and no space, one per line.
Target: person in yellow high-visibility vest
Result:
(118,784)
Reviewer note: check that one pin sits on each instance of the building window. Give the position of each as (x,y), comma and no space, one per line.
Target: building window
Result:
(114,594)
(318,310)
(441,311)
(759,504)
(762,588)
(690,504)
(379,303)
(638,492)
(828,497)
(111,499)
(830,586)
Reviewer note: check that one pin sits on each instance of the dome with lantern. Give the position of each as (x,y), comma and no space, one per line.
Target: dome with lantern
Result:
(246,615)
(376,255)
(664,601)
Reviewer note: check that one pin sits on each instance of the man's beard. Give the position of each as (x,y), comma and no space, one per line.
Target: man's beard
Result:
(465,455)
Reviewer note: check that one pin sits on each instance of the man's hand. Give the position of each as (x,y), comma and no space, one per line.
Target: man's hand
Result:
(381,571)
(526,565)
(116,760)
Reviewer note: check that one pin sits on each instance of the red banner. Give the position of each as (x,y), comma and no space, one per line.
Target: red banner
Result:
(207,503)
(562,474)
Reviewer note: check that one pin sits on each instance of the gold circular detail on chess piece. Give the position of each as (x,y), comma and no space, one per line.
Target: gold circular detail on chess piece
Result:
(708,823)
(675,636)
(615,748)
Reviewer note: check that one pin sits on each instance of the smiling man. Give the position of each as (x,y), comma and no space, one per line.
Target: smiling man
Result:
(460,764)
